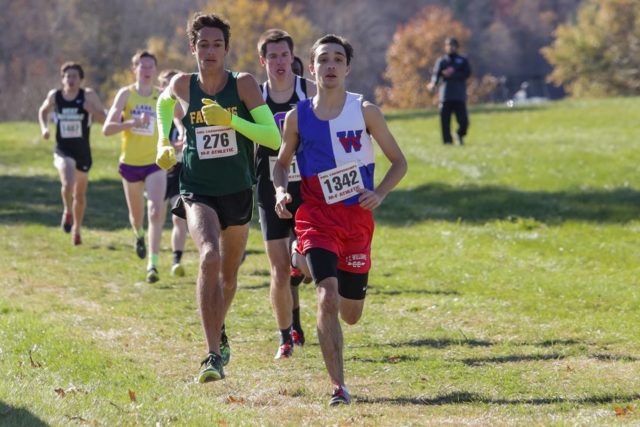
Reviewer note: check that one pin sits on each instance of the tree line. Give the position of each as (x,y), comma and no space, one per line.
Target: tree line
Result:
(585,47)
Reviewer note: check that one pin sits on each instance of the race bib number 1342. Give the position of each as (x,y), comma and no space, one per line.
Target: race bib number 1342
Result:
(341,182)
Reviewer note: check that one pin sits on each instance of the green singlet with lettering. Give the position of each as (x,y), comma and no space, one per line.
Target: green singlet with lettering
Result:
(217,159)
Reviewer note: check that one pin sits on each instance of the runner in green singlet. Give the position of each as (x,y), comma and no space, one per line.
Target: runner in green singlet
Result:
(225,115)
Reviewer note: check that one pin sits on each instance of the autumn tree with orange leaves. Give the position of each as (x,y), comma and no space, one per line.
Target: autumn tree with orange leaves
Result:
(410,58)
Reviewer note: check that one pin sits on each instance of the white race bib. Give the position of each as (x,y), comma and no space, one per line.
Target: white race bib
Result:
(341,182)
(294,172)
(70,128)
(216,141)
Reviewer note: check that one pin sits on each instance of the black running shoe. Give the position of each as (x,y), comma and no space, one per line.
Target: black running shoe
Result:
(211,369)
(141,249)
(340,396)
(152,275)
(67,222)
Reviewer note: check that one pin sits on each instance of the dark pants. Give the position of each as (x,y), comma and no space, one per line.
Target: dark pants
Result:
(460,110)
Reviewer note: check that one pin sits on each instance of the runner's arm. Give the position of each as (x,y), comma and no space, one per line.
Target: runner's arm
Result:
(113,123)
(290,140)
(94,106)
(43,113)
(165,112)
(264,131)
(377,127)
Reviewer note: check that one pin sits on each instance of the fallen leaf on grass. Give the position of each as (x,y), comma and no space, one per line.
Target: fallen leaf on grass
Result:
(283,392)
(622,411)
(394,359)
(72,389)
(222,422)
(232,399)
(132,395)
(33,363)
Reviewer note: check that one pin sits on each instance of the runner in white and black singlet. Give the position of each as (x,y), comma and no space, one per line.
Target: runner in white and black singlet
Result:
(75,109)
(281,92)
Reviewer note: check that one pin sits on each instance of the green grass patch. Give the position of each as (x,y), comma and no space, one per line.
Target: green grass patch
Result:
(504,291)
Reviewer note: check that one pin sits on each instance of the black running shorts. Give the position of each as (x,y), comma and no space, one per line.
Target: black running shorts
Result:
(273,227)
(232,209)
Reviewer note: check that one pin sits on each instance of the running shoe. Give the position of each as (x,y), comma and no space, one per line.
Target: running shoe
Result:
(77,240)
(225,350)
(67,222)
(340,396)
(285,351)
(211,369)
(152,275)
(297,337)
(177,270)
(141,249)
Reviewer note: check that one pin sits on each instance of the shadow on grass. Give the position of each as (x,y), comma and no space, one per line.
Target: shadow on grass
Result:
(475,361)
(264,285)
(15,416)
(373,291)
(467,397)
(388,359)
(480,204)
(472,342)
(36,199)
(613,357)
(443,342)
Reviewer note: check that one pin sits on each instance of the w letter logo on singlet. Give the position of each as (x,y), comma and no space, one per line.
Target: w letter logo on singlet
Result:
(279,118)
(350,139)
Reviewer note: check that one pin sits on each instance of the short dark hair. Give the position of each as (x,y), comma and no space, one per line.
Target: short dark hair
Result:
(332,38)
(166,75)
(135,59)
(297,65)
(200,20)
(71,66)
(452,41)
(274,35)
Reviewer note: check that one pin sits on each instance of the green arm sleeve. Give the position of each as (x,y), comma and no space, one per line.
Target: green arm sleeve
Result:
(264,131)
(164,110)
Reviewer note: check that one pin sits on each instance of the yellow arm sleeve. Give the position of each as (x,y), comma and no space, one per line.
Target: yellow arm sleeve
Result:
(264,131)
(164,111)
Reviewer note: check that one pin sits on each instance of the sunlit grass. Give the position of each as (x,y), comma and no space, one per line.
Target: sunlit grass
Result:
(504,291)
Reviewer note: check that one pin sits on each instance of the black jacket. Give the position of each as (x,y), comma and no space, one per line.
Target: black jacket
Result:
(454,87)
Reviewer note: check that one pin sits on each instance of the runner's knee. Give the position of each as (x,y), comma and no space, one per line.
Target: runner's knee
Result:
(328,297)
(209,256)
(281,271)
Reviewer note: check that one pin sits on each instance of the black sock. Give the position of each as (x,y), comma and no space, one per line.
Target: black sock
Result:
(296,280)
(285,335)
(177,256)
(296,319)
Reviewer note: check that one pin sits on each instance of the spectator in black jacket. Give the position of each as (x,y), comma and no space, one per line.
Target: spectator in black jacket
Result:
(452,70)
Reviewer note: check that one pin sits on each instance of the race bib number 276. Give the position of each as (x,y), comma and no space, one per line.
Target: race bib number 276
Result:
(216,141)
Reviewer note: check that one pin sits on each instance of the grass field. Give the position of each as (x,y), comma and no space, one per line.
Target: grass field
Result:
(504,291)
